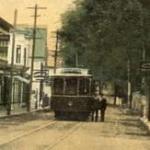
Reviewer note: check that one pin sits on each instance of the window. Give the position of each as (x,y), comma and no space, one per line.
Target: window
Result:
(17,91)
(3,49)
(84,86)
(3,52)
(18,54)
(3,43)
(58,86)
(71,86)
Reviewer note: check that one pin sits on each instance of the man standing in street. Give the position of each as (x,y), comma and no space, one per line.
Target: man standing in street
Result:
(103,107)
(95,106)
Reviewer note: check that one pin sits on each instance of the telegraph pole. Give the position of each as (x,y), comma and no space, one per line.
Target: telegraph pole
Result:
(129,82)
(12,64)
(35,8)
(56,51)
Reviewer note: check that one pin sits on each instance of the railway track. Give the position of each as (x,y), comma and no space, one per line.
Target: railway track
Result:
(27,133)
(40,138)
(63,137)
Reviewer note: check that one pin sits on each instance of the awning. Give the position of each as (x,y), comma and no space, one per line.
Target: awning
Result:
(22,79)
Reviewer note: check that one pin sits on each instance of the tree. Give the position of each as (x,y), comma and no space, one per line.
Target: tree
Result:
(106,34)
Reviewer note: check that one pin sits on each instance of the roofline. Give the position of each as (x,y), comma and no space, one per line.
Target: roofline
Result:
(31,26)
(5,25)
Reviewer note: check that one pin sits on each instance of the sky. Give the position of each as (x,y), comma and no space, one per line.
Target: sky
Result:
(50,17)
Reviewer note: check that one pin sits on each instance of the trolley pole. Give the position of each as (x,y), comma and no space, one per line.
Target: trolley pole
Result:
(33,52)
(12,64)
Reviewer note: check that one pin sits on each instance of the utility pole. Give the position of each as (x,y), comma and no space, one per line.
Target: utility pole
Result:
(56,51)
(129,83)
(143,82)
(146,87)
(145,77)
(41,82)
(12,64)
(36,8)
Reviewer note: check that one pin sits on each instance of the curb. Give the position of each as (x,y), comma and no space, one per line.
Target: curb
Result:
(144,121)
(24,113)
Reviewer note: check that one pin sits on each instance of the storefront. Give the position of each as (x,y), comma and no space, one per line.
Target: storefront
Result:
(4,90)
(16,96)
(5,28)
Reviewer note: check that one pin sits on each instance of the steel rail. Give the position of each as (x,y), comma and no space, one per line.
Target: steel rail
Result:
(28,133)
(63,137)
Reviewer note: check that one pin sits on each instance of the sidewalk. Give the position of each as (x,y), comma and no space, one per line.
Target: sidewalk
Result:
(143,120)
(20,111)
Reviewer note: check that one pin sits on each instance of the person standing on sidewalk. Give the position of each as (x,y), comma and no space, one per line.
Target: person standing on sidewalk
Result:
(103,104)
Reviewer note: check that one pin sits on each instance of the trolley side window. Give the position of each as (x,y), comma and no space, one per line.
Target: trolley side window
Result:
(71,86)
(58,86)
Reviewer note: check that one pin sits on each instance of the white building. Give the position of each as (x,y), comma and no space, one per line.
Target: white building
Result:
(40,60)
(19,47)
(21,63)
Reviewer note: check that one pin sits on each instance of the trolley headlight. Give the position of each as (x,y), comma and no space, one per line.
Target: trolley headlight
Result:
(70,103)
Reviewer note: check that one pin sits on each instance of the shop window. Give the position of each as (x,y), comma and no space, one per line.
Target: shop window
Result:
(17,92)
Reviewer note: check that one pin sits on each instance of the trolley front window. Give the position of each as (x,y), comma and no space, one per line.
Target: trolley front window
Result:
(58,86)
(71,86)
(84,86)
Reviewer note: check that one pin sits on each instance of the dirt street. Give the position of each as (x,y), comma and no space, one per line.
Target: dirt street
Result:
(120,131)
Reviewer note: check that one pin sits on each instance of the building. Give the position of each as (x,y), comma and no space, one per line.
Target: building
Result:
(20,89)
(5,35)
(13,71)
(40,63)
(15,67)
(13,84)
